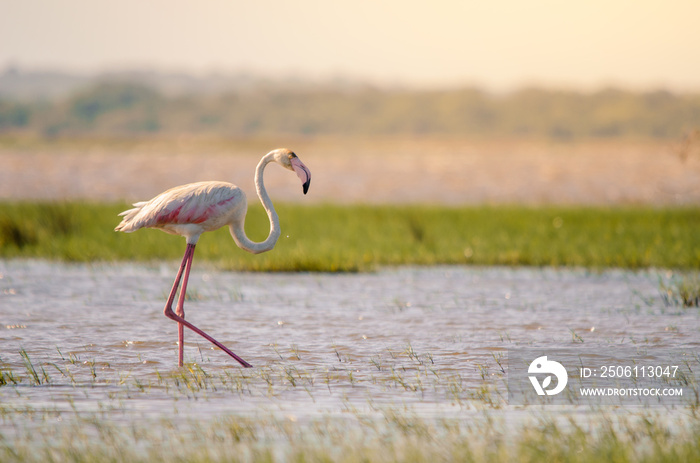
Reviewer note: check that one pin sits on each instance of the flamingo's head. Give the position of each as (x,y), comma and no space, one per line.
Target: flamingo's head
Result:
(287,159)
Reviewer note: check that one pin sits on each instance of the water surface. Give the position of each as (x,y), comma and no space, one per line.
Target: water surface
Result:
(428,340)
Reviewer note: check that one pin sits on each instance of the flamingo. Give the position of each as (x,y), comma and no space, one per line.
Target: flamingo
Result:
(192,209)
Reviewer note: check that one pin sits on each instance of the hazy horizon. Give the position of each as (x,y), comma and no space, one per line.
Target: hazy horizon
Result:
(499,46)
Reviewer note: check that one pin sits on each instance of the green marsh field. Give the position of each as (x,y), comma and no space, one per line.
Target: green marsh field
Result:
(349,238)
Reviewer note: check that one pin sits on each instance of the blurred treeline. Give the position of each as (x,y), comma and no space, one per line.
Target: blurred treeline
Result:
(128,108)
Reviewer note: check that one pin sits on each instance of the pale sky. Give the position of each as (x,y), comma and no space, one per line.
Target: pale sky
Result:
(498,44)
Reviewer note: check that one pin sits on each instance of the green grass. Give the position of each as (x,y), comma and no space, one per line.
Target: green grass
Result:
(683,290)
(399,437)
(358,238)
(104,421)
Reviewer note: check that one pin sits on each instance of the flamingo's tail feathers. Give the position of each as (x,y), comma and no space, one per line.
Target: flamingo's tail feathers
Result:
(130,223)
(136,209)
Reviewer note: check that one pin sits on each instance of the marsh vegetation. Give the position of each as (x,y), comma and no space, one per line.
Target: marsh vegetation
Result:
(359,238)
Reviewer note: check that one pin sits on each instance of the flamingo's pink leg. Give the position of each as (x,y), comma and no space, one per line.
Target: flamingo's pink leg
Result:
(168,311)
(180,308)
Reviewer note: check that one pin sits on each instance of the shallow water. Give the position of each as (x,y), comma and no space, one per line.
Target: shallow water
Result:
(321,344)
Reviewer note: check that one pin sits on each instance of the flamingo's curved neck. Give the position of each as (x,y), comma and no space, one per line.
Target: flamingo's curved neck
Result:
(237,229)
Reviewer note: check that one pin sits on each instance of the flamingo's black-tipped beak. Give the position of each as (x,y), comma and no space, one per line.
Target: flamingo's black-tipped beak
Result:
(302,172)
